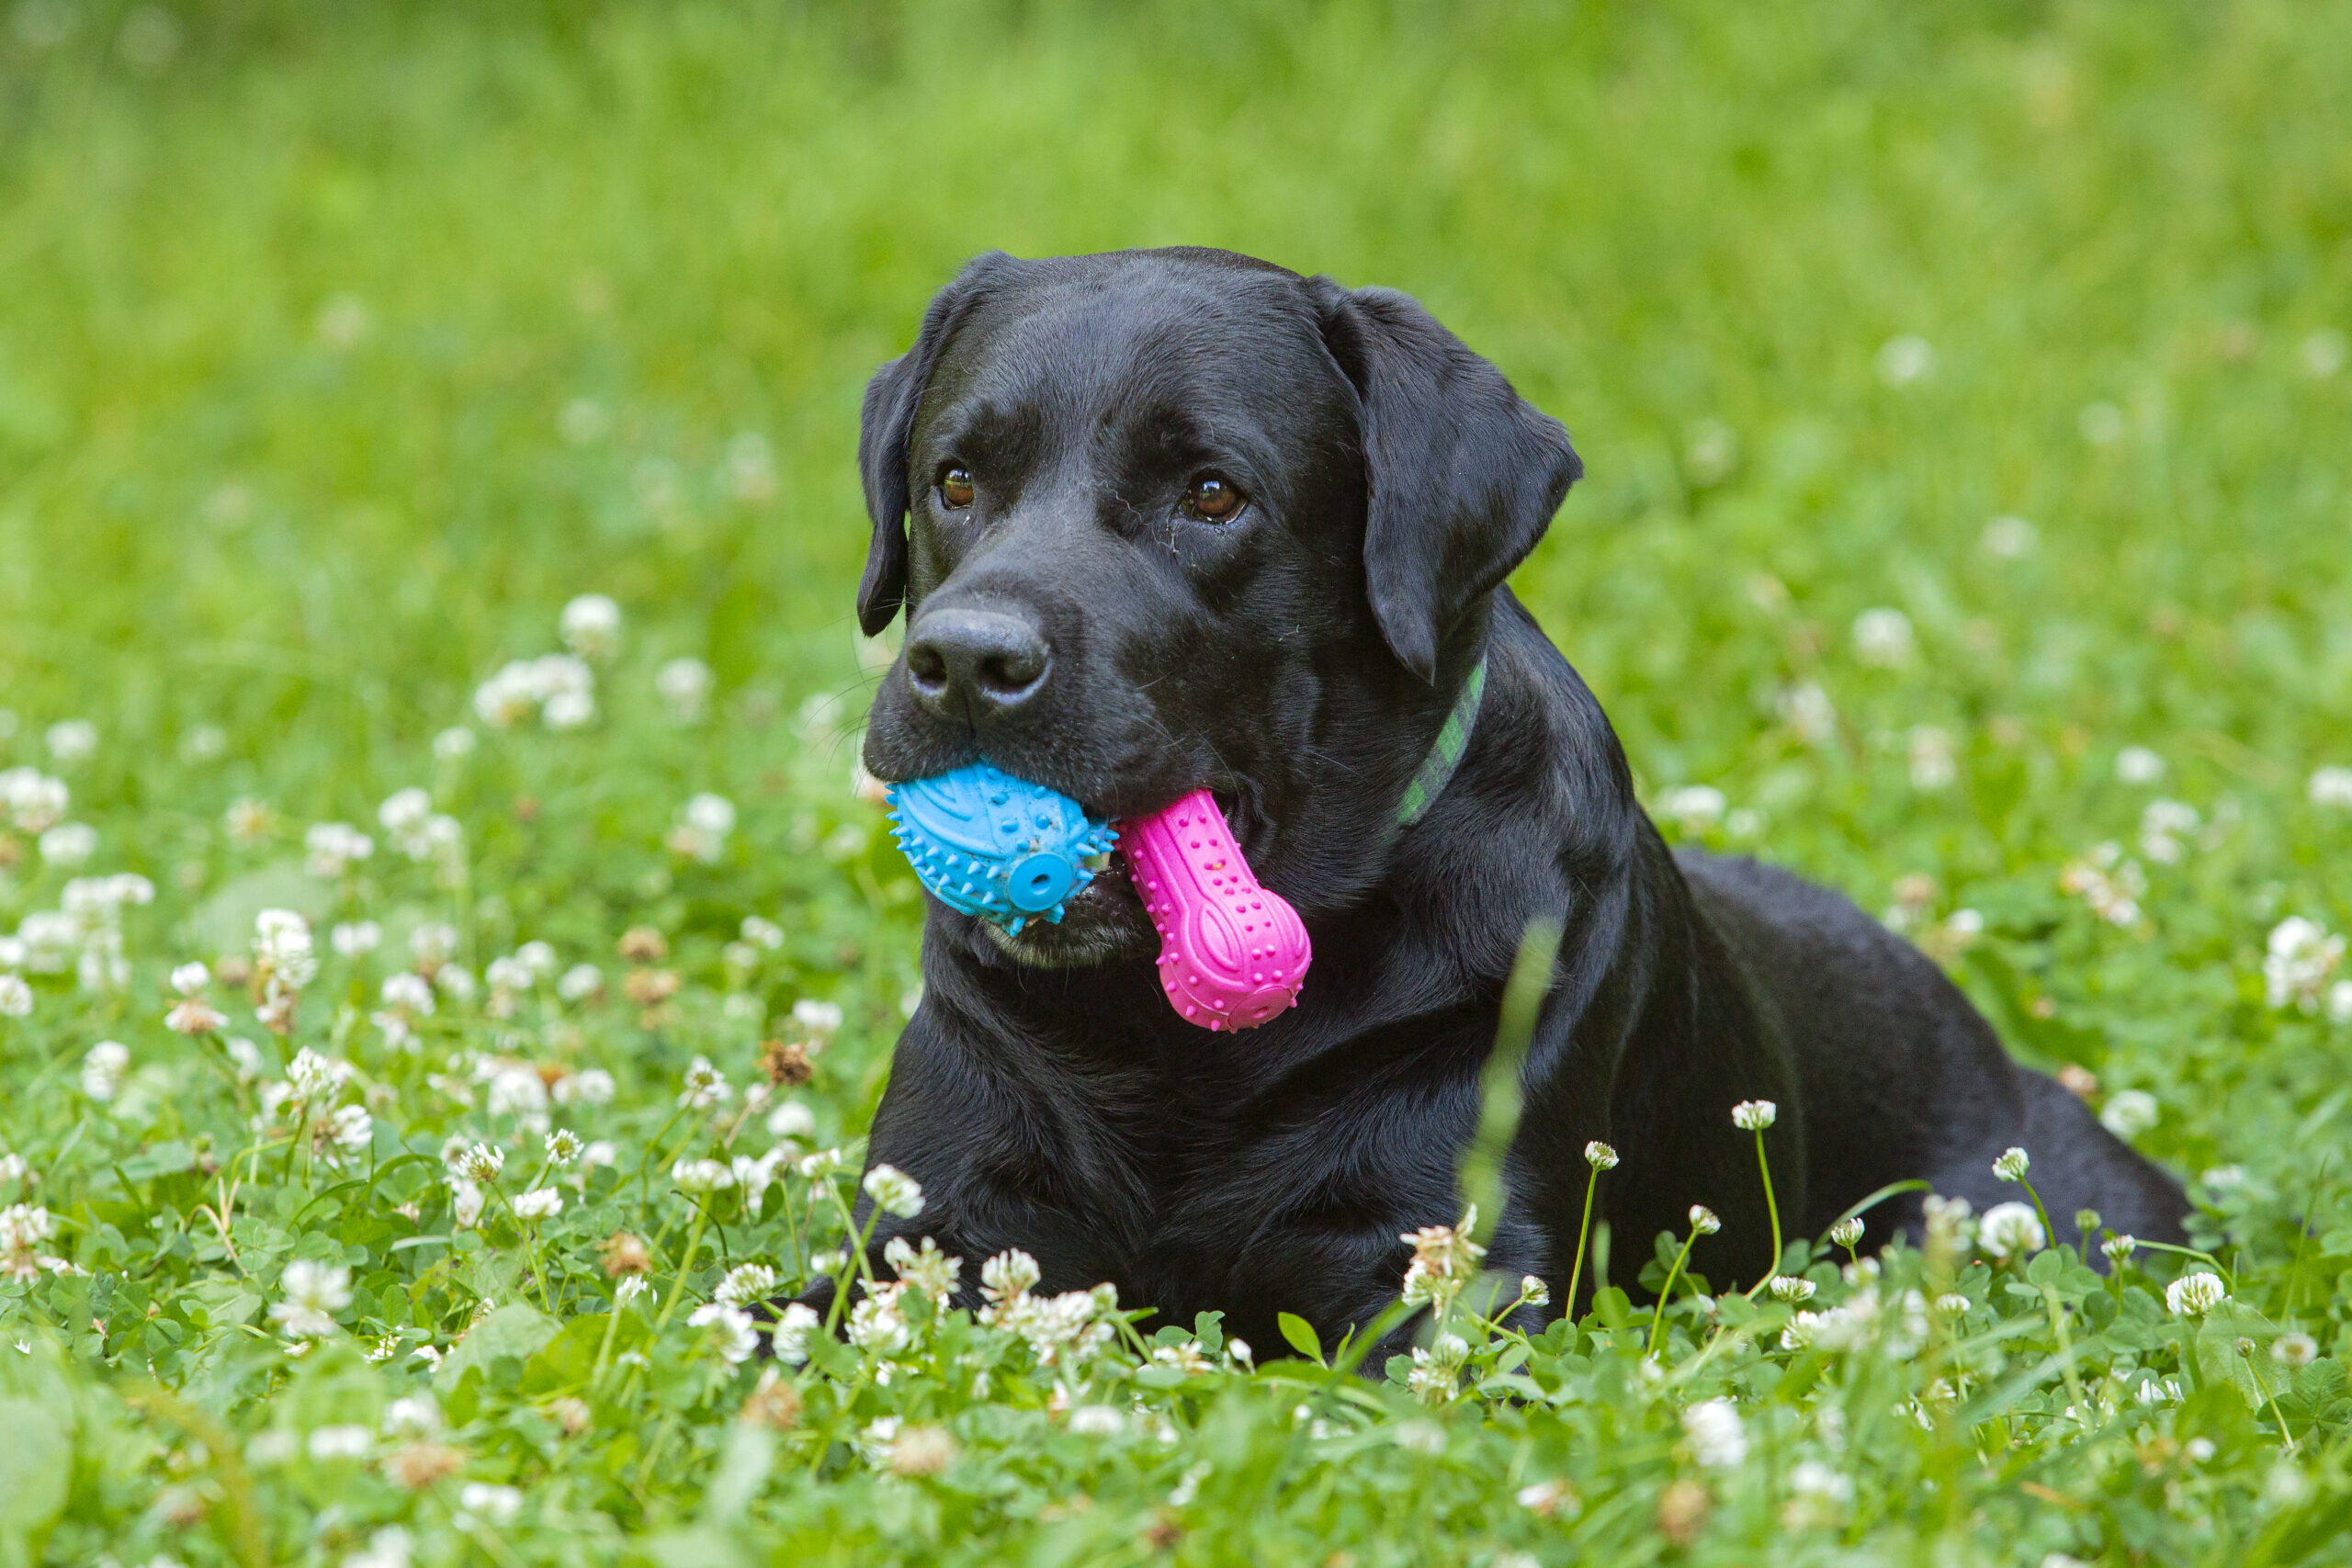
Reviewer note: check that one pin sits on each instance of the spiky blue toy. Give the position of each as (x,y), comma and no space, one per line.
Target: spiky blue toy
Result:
(989,844)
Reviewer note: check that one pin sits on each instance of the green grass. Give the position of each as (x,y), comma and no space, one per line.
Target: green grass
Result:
(337,352)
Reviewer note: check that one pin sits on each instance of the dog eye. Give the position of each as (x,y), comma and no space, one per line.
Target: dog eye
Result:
(956,487)
(1212,499)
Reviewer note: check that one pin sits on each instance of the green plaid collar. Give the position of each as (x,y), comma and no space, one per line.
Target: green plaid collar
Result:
(1436,768)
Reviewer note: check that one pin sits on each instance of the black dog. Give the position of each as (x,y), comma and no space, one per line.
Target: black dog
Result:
(1170,519)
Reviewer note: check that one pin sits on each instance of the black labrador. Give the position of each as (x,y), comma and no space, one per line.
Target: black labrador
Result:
(1162,520)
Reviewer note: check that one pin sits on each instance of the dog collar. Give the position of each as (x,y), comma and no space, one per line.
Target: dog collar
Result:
(1437,769)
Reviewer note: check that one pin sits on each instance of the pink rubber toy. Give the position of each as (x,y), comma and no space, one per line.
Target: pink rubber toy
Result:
(1232,954)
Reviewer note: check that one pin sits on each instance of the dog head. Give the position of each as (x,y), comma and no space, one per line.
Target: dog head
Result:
(1165,520)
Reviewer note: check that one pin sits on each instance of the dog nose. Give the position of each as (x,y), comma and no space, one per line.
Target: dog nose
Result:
(976,663)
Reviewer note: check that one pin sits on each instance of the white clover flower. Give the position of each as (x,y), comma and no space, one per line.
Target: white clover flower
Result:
(1703,1220)
(2110,885)
(509,975)
(1848,1231)
(1883,638)
(928,1270)
(2011,1230)
(821,1018)
(282,942)
(878,1325)
(409,992)
(1951,1304)
(2323,352)
(508,697)
(1533,1291)
(334,848)
(104,1067)
(314,1294)
(2118,1247)
(761,932)
(590,1086)
(23,1228)
(736,1340)
(2300,957)
(386,1548)
(1444,1259)
(1788,1288)
(1717,1439)
(1007,1275)
(563,1146)
(702,1176)
(2010,539)
(684,685)
(2331,788)
(499,1504)
(412,1414)
(356,939)
(69,844)
(2294,1351)
(480,1162)
(756,1174)
(1693,808)
(454,743)
(2138,765)
(330,1443)
(705,1086)
(33,800)
(1754,1115)
(2194,1295)
(791,1119)
(1934,759)
(193,1015)
(72,741)
(591,626)
(404,811)
(16,996)
(1096,1421)
(434,943)
(189,979)
(745,1282)
(569,710)
(792,1332)
(540,1203)
(2012,1165)
(1808,712)
(1600,1156)
(2162,825)
(1905,360)
(349,1132)
(516,1089)
(1813,1480)
(894,1192)
(702,828)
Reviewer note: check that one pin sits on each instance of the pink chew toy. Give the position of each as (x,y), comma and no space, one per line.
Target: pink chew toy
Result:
(1232,952)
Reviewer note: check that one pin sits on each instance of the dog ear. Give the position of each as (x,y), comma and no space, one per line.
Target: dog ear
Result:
(1463,473)
(886,427)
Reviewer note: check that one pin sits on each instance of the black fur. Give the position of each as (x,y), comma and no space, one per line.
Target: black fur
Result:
(1299,658)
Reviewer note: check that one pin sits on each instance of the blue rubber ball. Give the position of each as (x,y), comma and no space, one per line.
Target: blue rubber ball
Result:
(989,844)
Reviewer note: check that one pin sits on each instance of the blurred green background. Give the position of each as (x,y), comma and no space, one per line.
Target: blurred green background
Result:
(339,346)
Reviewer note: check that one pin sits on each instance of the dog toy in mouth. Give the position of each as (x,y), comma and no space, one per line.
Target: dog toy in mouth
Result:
(1000,847)
(1233,952)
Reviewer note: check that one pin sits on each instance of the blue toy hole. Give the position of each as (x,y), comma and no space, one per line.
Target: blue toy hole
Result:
(1040,881)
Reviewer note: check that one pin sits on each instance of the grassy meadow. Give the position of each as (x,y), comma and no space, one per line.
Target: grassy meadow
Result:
(428,530)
